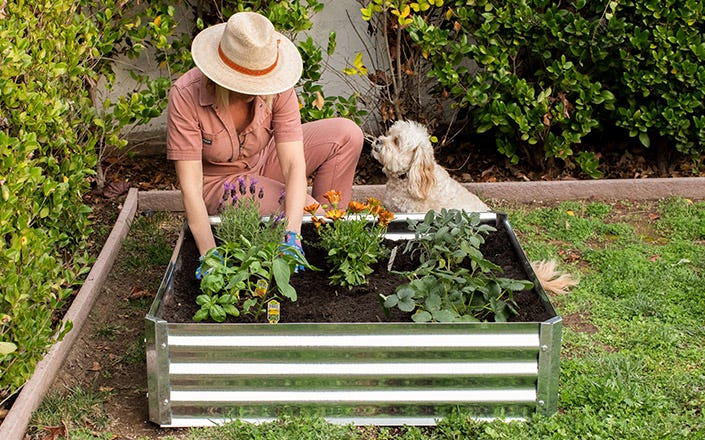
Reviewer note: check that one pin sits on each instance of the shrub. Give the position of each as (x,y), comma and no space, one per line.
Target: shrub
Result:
(539,77)
(46,158)
(533,87)
(660,86)
(53,136)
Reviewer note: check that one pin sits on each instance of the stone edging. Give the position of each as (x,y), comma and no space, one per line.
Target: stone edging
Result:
(525,192)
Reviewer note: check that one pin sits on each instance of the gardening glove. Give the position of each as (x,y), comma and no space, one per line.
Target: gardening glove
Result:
(292,239)
(204,268)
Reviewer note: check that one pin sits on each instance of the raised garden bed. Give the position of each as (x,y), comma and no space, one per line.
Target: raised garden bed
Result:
(336,353)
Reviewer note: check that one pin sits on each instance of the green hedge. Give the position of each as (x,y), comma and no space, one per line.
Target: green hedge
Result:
(53,55)
(539,76)
(45,162)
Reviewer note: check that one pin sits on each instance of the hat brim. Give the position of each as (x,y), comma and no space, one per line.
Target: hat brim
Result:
(284,76)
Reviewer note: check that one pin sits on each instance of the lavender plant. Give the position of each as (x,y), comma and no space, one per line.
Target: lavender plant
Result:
(250,266)
(240,219)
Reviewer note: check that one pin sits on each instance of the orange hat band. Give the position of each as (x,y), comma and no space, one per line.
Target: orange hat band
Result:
(252,72)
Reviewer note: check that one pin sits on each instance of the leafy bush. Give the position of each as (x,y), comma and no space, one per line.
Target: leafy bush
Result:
(46,158)
(540,76)
(660,83)
(53,136)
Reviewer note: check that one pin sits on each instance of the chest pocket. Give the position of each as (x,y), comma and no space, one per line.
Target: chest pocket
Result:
(217,147)
(254,140)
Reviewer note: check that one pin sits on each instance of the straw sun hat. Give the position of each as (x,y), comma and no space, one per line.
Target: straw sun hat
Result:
(247,55)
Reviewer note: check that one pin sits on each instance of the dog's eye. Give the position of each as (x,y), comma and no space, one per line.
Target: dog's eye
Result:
(395,140)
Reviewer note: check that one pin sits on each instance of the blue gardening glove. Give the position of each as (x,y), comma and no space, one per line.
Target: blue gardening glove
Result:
(293,240)
(204,268)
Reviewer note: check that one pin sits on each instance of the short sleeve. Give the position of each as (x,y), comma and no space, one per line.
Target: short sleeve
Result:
(183,134)
(286,118)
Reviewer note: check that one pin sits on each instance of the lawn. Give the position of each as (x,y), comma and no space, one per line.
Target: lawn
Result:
(631,364)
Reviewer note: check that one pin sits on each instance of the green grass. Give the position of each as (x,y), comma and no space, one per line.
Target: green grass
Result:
(149,241)
(633,369)
(80,411)
(108,331)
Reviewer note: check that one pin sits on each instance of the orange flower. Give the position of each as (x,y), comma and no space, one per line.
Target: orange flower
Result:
(335,214)
(374,205)
(356,207)
(317,221)
(312,208)
(385,217)
(333,197)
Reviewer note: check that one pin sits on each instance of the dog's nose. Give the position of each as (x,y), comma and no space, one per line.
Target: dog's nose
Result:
(375,144)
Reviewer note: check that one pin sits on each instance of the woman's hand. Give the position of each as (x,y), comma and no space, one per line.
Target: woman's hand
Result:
(293,240)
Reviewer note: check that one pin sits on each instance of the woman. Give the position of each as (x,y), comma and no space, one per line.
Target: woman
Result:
(236,115)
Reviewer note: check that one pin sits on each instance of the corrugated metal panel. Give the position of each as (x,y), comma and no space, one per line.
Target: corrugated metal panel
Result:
(378,373)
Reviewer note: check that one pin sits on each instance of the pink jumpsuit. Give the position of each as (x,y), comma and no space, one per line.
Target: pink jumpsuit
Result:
(198,130)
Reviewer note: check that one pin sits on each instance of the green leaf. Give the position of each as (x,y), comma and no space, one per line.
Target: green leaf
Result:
(230,309)
(201,315)
(444,316)
(217,313)
(421,316)
(226,299)
(7,348)
(203,299)
(390,301)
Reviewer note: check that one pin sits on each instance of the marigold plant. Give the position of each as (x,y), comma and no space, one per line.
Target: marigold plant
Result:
(352,237)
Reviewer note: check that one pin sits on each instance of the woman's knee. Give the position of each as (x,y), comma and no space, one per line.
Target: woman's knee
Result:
(352,131)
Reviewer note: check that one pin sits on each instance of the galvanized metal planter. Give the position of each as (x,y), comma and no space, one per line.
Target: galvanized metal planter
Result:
(201,374)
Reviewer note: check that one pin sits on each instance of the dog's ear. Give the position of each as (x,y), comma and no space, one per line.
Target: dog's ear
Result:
(421,173)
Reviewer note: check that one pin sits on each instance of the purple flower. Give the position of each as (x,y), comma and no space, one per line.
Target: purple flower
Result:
(277,219)
(226,191)
(260,195)
(241,185)
(253,187)
(282,194)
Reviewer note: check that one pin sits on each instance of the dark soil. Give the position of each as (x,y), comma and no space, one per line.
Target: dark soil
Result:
(320,302)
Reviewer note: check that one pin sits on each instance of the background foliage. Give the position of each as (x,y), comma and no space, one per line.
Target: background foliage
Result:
(45,161)
(540,77)
(54,131)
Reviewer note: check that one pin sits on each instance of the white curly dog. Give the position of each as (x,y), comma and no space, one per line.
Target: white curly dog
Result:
(417,183)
